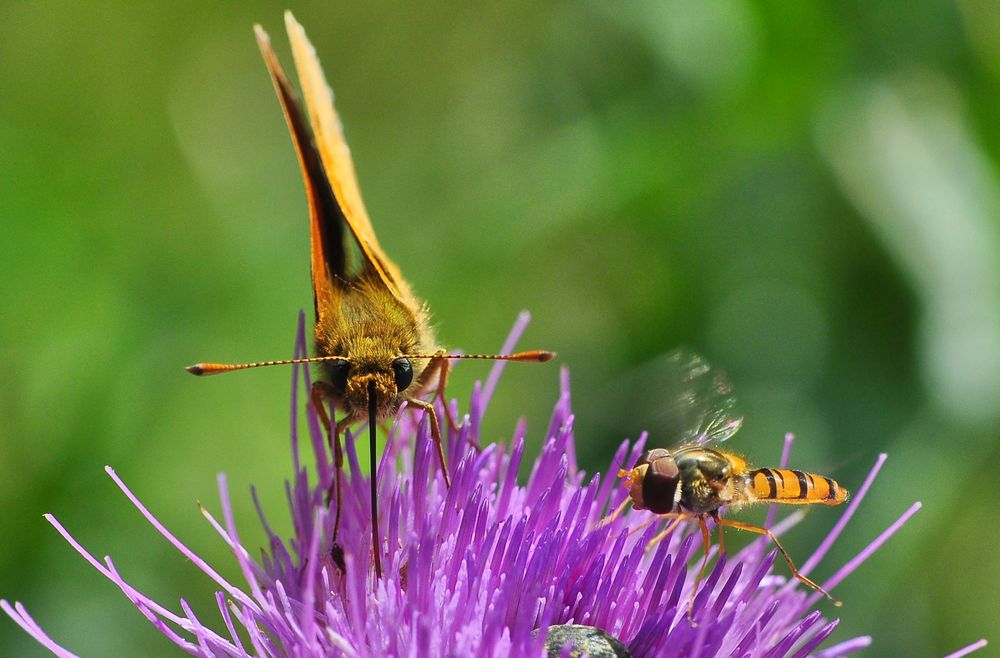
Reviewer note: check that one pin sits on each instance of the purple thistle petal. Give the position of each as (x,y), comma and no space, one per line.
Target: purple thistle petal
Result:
(145,605)
(846,648)
(816,639)
(200,632)
(188,553)
(785,645)
(20,615)
(975,646)
(133,596)
(261,644)
(852,506)
(300,349)
(786,454)
(320,455)
(259,571)
(865,553)
(220,599)
(485,567)
(307,619)
(108,571)
(723,596)
(523,318)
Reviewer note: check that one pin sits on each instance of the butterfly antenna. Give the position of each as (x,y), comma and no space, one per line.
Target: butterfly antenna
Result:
(201,369)
(539,356)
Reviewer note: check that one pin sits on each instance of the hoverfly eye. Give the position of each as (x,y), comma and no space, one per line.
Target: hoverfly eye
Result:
(403,371)
(338,371)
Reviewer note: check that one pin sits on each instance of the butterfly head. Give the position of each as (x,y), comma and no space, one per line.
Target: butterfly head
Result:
(359,380)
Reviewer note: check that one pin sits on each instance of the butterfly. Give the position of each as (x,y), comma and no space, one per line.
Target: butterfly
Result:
(373,340)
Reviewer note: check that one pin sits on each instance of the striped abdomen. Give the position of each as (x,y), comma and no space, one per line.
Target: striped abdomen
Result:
(783,485)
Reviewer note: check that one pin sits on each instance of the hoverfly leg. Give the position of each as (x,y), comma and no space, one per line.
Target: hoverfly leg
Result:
(706,540)
(677,518)
(613,515)
(435,434)
(722,535)
(784,554)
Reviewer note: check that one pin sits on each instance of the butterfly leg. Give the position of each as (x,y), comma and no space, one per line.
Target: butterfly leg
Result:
(435,434)
(781,549)
(320,393)
(443,366)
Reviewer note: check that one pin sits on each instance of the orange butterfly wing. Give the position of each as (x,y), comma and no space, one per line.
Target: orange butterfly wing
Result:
(331,183)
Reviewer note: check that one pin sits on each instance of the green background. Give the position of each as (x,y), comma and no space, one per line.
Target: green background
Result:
(805,193)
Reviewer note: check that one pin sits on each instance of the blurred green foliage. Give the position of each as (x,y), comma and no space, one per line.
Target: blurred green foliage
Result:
(806,193)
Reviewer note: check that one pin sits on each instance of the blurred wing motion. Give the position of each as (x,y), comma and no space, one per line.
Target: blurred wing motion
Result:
(700,406)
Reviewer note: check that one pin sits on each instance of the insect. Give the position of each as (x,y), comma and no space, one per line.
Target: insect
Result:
(695,480)
(373,339)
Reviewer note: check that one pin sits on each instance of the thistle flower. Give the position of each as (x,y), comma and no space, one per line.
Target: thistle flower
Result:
(486,567)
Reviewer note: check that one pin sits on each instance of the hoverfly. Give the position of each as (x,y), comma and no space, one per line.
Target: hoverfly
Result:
(695,480)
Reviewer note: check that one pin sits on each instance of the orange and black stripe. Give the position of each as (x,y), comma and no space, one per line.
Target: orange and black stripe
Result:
(784,485)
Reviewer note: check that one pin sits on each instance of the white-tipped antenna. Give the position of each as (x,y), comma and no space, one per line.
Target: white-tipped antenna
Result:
(216,368)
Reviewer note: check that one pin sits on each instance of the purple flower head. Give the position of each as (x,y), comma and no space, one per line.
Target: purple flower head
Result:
(486,567)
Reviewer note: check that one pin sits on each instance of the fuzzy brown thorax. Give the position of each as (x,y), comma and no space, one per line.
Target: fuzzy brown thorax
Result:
(372,330)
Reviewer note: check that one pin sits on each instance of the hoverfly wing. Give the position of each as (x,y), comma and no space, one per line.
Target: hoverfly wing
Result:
(701,407)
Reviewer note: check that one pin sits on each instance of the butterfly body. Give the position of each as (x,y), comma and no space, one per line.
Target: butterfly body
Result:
(372,329)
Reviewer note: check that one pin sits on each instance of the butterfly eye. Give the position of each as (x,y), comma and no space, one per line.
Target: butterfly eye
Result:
(403,371)
(338,371)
